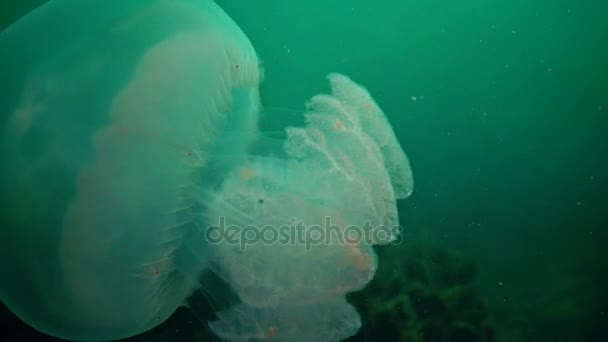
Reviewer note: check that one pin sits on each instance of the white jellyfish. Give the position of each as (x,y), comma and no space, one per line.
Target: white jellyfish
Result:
(127,135)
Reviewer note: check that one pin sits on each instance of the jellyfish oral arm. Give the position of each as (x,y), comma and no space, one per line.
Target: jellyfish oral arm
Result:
(346,166)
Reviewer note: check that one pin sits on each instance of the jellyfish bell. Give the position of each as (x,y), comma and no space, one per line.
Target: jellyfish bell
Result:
(118,105)
(129,129)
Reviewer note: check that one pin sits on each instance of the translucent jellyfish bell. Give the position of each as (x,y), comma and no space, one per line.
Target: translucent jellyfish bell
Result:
(110,112)
(128,134)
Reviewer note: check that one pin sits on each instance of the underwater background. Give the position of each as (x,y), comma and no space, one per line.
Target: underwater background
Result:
(502,109)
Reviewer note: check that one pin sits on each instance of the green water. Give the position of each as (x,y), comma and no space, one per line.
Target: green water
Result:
(501,107)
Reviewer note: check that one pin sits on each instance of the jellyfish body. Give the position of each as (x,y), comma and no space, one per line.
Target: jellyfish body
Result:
(126,131)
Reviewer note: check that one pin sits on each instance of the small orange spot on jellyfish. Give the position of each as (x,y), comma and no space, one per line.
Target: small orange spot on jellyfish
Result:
(247,173)
(339,125)
(367,106)
(361,259)
(153,270)
(272,332)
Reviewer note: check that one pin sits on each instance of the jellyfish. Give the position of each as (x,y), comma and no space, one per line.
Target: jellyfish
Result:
(130,147)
